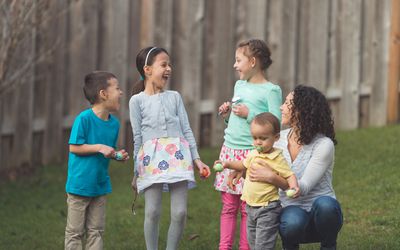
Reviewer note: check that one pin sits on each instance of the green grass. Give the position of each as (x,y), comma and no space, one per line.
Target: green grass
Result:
(33,210)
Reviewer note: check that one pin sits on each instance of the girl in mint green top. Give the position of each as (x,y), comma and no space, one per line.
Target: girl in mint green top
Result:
(258,98)
(253,94)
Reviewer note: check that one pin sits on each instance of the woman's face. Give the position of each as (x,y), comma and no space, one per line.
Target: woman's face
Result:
(286,110)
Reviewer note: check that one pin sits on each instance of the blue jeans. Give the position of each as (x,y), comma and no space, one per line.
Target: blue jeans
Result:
(321,224)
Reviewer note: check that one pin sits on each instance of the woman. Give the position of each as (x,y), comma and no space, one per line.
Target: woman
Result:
(308,146)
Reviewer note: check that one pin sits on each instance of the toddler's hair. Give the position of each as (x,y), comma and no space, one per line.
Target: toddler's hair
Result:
(268,118)
(94,82)
(145,57)
(259,49)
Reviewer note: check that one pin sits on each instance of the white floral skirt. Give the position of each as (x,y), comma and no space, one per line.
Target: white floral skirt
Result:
(164,160)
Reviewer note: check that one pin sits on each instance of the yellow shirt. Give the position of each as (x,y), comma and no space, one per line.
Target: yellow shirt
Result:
(260,193)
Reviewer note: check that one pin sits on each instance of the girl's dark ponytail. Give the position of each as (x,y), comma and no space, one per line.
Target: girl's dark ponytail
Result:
(138,87)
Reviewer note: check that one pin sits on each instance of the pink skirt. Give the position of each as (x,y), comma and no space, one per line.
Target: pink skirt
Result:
(221,178)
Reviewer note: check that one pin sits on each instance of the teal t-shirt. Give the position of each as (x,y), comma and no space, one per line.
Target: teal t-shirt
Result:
(258,97)
(88,174)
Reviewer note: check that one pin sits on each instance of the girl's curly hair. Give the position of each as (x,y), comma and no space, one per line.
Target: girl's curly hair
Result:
(311,111)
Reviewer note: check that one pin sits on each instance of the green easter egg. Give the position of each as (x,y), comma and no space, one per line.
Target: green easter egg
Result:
(118,156)
(218,167)
(290,193)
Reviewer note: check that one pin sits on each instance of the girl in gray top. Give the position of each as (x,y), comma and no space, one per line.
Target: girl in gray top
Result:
(309,147)
(165,151)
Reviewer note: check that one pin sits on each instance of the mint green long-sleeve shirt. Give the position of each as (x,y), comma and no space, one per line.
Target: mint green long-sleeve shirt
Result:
(258,97)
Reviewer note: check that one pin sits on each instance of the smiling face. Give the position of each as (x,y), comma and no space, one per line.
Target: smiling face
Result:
(159,72)
(243,64)
(263,136)
(112,95)
(286,110)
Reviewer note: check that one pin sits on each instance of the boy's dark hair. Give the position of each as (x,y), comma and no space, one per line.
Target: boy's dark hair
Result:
(140,63)
(259,49)
(94,82)
(268,118)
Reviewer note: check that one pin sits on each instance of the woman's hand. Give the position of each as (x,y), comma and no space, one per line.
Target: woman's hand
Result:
(260,171)
(240,110)
(297,192)
(204,170)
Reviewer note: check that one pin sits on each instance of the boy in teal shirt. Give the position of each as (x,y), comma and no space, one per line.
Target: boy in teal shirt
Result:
(92,144)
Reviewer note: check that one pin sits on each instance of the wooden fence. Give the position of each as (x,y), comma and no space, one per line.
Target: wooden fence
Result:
(341,47)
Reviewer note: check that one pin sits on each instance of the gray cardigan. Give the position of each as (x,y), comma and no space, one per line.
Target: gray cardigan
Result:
(313,167)
(160,115)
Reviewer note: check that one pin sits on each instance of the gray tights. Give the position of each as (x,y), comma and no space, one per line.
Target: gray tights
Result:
(152,196)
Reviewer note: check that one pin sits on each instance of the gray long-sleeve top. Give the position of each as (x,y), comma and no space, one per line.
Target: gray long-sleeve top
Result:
(160,115)
(313,168)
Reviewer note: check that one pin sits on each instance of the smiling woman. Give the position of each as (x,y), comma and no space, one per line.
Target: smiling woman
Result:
(308,146)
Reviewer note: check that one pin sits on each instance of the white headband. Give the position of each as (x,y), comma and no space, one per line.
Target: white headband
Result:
(147,56)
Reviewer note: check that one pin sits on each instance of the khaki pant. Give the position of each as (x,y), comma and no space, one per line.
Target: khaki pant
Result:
(85,215)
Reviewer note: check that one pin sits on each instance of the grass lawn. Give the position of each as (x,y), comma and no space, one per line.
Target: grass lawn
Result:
(366,181)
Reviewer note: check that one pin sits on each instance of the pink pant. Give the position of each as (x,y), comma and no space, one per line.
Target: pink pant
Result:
(230,206)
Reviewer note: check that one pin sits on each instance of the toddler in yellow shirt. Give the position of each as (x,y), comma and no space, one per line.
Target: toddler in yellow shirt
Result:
(262,199)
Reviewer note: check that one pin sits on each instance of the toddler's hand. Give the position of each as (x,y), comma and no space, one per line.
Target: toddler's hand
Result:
(107,151)
(224,109)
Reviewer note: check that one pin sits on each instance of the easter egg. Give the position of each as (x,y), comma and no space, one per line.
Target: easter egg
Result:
(204,173)
(290,192)
(218,167)
(119,156)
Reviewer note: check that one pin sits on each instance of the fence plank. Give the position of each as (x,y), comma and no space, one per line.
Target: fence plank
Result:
(256,13)
(394,64)
(282,40)
(48,88)
(21,154)
(147,23)
(313,43)
(134,26)
(333,91)
(164,24)
(114,50)
(227,32)
(349,42)
(189,53)
(82,51)
(374,63)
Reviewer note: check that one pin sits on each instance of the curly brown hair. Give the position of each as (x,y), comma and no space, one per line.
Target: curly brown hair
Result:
(311,111)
